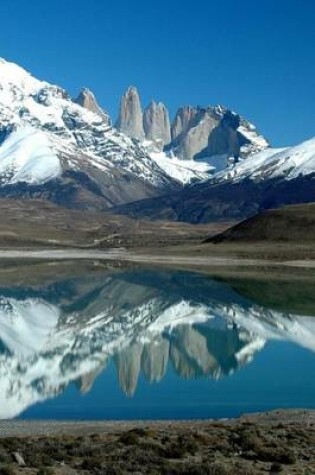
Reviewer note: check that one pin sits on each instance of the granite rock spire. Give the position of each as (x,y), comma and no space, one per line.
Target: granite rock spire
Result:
(87,100)
(156,123)
(130,115)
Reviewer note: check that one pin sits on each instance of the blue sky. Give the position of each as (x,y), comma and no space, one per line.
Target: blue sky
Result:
(256,57)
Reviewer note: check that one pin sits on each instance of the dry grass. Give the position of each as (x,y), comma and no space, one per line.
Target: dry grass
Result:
(37,223)
(237,447)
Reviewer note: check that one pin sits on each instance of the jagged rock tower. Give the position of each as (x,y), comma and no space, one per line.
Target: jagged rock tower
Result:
(87,100)
(156,123)
(130,115)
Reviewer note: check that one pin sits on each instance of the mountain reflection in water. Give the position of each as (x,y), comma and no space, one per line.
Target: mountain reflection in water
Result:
(143,321)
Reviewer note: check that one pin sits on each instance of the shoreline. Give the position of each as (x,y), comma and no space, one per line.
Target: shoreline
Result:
(52,427)
(124,255)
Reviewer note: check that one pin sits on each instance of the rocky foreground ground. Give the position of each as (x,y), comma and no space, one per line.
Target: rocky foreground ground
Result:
(276,442)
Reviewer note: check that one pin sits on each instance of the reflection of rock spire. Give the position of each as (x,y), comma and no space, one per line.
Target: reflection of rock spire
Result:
(154,359)
(86,381)
(128,363)
(134,318)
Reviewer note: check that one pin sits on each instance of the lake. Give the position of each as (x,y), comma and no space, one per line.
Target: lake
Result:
(106,341)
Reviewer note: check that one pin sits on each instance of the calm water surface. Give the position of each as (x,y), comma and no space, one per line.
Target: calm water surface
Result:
(121,343)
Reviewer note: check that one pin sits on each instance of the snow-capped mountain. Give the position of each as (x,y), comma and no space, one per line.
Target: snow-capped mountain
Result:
(45,137)
(67,151)
(269,179)
(69,330)
(286,163)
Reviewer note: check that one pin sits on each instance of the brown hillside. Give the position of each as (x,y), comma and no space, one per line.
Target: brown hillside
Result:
(289,224)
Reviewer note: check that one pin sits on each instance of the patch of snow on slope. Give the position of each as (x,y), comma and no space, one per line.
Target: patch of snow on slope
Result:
(183,171)
(257,141)
(26,156)
(273,325)
(286,163)
(217,163)
(180,313)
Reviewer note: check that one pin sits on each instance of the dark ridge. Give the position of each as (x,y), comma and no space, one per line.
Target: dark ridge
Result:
(288,224)
(206,202)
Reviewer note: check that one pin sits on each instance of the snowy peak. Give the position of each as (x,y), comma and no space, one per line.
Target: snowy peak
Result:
(45,136)
(13,74)
(82,141)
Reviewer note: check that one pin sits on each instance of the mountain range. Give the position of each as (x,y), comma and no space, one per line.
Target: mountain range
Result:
(195,132)
(208,163)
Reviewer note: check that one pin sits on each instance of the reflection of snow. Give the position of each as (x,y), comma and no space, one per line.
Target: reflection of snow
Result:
(44,347)
(25,325)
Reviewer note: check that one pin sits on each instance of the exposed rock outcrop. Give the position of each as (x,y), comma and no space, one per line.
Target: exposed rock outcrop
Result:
(87,100)
(196,132)
(156,124)
(182,119)
(191,130)
(130,120)
(225,139)
(213,131)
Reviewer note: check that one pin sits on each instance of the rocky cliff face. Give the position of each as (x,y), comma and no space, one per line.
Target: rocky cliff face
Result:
(196,132)
(156,124)
(191,130)
(87,100)
(213,131)
(224,138)
(130,120)
(182,121)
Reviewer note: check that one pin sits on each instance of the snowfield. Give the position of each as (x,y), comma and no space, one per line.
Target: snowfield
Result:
(183,171)
(27,156)
(287,163)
